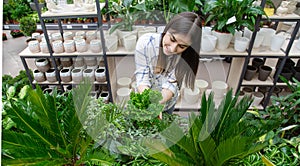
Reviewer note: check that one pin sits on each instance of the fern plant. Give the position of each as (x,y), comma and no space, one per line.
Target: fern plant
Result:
(218,136)
(49,131)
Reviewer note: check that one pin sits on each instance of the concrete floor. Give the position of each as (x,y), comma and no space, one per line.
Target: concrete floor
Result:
(11,61)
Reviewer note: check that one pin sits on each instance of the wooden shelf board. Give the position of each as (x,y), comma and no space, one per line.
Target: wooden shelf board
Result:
(256,81)
(120,51)
(228,52)
(183,104)
(292,16)
(71,10)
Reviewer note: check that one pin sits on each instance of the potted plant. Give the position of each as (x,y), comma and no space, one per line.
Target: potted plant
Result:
(41,4)
(28,25)
(227,16)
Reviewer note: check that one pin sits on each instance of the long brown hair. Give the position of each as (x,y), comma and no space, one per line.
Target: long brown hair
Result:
(186,23)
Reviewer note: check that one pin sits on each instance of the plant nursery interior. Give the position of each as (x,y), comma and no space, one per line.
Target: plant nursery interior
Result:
(71,83)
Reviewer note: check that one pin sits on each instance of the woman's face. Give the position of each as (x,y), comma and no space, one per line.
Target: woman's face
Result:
(175,43)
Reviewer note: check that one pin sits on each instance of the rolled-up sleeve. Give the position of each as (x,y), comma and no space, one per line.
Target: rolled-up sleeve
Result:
(142,62)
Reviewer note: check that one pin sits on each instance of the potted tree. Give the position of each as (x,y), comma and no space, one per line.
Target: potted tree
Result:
(228,16)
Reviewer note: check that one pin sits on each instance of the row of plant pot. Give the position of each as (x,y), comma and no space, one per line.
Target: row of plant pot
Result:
(289,70)
(259,93)
(75,75)
(44,64)
(266,38)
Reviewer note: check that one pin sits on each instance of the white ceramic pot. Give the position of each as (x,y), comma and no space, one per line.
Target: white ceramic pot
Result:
(241,44)
(90,74)
(236,35)
(51,75)
(191,96)
(80,33)
(223,39)
(123,94)
(208,43)
(34,46)
(78,61)
(56,36)
(65,75)
(68,35)
(42,64)
(111,43)
(258,39)
(123,34)
(58,46)
(36,36)
(268,33)
(124,82)
(219,88)
(44,47)
(201,84)
(257,98)
(100,74)
(81,45)
(206,30)
(90,35)
(77,75)
(104,95)
(69,46)
(95,46)
(277,42)
(130,43)
(38,75)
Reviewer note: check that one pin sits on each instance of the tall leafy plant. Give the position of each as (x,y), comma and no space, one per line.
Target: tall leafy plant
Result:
(230,15)
(218,136)
(49,133)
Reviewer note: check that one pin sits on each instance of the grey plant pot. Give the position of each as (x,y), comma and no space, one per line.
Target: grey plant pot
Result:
(256,62)
(264,72)
(250,72)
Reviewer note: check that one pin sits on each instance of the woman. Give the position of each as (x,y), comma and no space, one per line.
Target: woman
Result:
(166,61)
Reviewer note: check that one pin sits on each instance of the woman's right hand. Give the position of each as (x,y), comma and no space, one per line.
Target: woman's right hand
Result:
(141,88)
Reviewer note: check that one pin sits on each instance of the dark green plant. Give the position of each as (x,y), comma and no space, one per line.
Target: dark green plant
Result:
(16,9)
(230,15)
(172,8)
(128,11)
(47,135)
(218,136)
(28,25)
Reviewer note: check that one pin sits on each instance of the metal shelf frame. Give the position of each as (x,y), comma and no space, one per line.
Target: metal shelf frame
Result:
(286,51)
(99,26)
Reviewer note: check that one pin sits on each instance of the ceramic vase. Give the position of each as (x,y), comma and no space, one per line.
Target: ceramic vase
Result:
(90,74)
(257,98)
(100,74)
(191,96)
(124,82)
(34,46)
(95,46)
(277,42)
